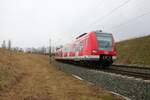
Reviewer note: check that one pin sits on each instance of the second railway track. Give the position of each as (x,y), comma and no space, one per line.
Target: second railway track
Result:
(138,72)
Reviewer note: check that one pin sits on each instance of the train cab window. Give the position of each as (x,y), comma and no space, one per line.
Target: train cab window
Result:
(105,41)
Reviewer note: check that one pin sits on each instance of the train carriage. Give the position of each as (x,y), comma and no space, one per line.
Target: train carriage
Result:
(94,47)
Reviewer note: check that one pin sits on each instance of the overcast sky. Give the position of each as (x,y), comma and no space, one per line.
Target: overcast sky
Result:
(30,23)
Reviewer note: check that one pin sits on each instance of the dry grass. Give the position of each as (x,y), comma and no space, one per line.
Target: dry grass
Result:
(31,77)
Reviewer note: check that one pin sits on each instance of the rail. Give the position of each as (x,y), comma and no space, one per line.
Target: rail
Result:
(136,71)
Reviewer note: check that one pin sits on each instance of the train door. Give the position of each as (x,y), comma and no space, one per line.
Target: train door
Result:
(85,46)
(77,51)
(81,48)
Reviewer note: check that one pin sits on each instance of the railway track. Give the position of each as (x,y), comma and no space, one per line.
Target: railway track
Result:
(132,71)
(136,89)
(138,72)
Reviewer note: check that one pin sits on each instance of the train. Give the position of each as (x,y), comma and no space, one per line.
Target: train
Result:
(95,48)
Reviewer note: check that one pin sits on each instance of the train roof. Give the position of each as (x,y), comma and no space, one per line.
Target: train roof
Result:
(81,35)
(100,32)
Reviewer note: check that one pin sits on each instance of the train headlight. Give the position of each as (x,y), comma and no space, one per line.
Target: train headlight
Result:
(114,57)
(94,51)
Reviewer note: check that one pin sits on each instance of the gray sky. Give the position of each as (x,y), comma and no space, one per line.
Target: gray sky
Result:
(30,23)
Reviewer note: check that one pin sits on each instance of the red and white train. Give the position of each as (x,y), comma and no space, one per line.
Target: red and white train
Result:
(95,47)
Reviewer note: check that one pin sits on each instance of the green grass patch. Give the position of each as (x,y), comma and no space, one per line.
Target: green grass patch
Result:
(134,51)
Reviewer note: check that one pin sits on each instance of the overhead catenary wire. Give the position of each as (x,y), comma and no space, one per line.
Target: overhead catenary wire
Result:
(130,20)
(92,11)
(109,13)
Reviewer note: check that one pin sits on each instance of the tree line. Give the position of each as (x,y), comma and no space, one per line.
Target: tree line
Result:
(6,46)
(38,50)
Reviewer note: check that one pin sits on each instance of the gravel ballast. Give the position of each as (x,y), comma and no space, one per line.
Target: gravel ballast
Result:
(135,89)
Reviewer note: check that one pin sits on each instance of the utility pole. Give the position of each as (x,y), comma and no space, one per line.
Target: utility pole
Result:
(50,54)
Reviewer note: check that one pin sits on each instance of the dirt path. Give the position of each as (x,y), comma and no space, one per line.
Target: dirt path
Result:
(42,81)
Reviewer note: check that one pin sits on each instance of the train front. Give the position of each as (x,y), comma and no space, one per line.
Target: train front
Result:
(106,49)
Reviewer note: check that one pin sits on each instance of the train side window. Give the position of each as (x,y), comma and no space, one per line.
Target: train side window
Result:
(74,48)
(77,47)
(68,49)
(81,46)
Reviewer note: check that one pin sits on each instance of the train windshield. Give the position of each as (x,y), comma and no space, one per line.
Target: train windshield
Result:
(105,41)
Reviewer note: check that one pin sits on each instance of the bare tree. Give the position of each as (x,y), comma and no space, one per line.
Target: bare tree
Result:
(9,45)
(4,44)
(43,50)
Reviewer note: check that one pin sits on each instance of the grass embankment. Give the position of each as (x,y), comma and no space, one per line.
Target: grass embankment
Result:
(31,77)
(134,51)
(10,69)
